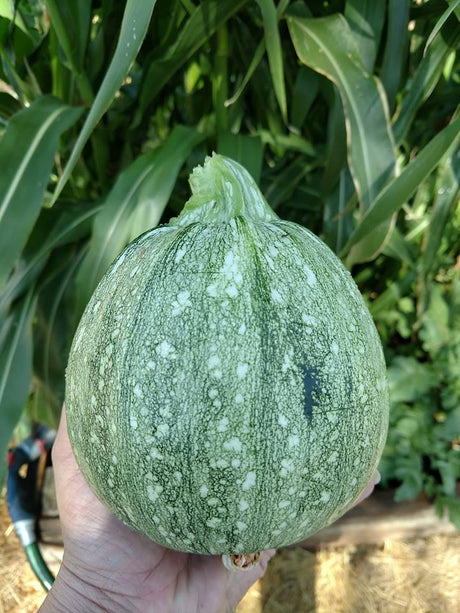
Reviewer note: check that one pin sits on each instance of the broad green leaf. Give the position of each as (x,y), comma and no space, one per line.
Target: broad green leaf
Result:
(135,204)
(391,296)
(291,142)
(247,150)
(71,21)
(409,379)
(396,48)
(133,29)
(366,18)
(303,95)
(27,153)
(445,197)
(398,247)
(396,193)
(426,76)
(328,46)
(338,222)
(15,370)
(454,6)
(285,182)
(274,51)
(206,19)
(258,55)
(71,225)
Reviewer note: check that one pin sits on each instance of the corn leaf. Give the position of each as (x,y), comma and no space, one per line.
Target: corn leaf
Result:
(15,370)
(274,51)
(134,205)
(366,18)
(328,46)
(134,27)
(202,24)
(396,48)
(27,152)
(396,193)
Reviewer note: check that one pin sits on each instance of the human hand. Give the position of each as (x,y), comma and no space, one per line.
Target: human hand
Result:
(109,567)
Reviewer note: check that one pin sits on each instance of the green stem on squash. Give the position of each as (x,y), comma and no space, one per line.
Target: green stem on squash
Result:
(222,189)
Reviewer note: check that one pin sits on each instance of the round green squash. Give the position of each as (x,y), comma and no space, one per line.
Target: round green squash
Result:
(226,388)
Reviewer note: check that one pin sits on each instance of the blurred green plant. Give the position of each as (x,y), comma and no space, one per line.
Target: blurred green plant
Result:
(344,111)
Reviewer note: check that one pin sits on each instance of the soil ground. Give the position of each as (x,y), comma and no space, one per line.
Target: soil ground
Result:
(417,576)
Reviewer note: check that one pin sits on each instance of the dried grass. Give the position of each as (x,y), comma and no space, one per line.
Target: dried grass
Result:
(418,576)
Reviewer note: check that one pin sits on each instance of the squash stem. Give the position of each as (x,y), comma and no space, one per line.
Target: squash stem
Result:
(243,561)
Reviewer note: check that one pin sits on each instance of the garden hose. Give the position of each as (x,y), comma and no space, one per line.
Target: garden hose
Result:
(23,496)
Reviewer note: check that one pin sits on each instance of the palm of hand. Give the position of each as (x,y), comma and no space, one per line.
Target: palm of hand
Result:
(128,569)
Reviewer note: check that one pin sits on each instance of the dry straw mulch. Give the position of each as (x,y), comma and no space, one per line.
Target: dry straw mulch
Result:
(418,576)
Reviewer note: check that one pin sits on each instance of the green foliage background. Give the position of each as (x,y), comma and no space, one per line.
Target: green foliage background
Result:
(346,114)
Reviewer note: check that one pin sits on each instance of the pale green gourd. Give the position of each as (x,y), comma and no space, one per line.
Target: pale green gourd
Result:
(226,387)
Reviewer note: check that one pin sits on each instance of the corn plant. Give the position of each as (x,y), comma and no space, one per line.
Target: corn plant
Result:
(344,111)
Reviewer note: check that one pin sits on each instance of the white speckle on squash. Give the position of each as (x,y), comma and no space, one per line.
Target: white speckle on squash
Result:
(162,430)
(181,303)
(213,393)
(335,348)
(223,424)
(137,391)
(249,481)
(155,453)
(284,503)
(276,296)
(180,254)
(236,463)
(133,422)
(166,350)
(213,361)
(204,491)
(221,463)
(211,290)
(283,420)
(294,441)
(134,271)
(213,502)
(311,277)
(239,399)
(153,491)
(325,496)
(241,526)
(242,370)
(232,291)
(233,444)
(217,374)
(242,329)
(213,522)
(243,505)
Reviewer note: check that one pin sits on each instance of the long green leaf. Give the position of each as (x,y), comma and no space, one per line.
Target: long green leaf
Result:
(247,150)
(366,18)
(15,370)
(396,48)
(27,153)
(135,204)
(274,51)
(134,27)
(328,46)
(452,8)
(396,193)
(203,23)
(70,226)
(446,196)
(426,76)
(71,21)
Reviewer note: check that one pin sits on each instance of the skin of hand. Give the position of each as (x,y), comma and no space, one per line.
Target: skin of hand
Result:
(109,567)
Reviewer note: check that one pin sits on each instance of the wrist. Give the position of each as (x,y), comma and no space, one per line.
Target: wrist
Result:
(71,593)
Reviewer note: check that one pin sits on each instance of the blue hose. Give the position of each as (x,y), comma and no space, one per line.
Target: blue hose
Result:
(22,497)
